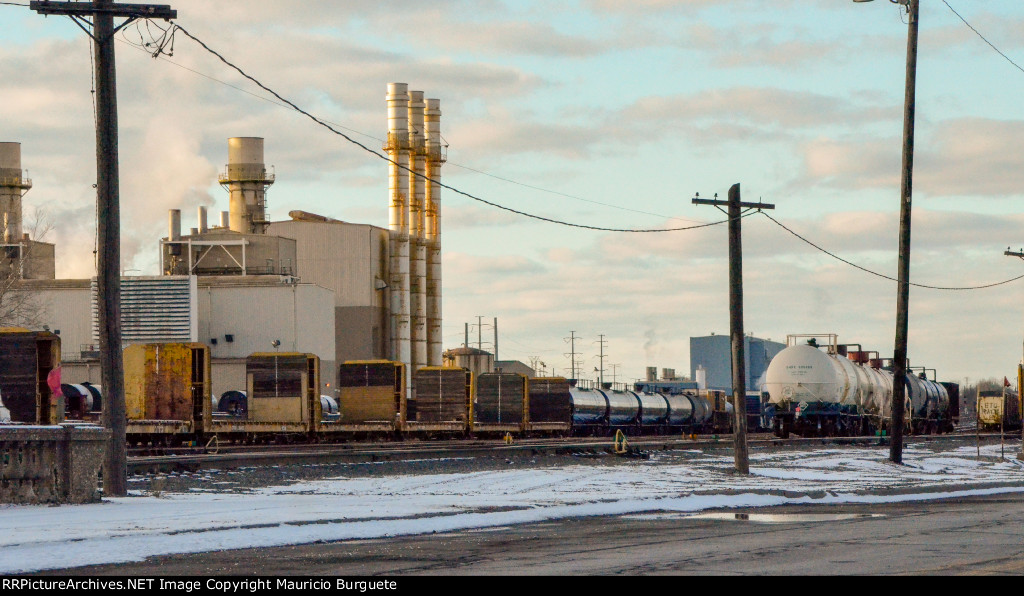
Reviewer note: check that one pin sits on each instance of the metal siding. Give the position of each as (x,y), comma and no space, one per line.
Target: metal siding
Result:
(339,256)
(153,309)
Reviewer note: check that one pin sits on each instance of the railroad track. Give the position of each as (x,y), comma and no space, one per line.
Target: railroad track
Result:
(265,455)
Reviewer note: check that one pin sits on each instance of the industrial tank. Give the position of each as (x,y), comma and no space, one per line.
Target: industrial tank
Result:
(589,406)
(623,407)
(805,374)
(653,408)
(680,409)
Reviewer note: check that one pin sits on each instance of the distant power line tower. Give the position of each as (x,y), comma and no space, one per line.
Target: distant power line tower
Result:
(573,362)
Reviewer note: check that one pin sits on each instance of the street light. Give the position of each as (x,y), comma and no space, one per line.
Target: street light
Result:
(903,275)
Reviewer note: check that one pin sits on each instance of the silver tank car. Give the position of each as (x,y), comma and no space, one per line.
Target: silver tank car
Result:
(623,407)
(653,408)
(589,407)
(680,410)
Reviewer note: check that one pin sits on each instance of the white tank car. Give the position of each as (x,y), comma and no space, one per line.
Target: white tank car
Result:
(816,390)
(806,374)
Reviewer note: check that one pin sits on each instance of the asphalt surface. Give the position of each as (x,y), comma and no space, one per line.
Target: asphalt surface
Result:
(981,535)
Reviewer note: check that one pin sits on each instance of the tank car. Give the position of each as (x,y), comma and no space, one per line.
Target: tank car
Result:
(816,390)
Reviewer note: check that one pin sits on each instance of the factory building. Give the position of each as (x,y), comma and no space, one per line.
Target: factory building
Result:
(311,283)
(713,354)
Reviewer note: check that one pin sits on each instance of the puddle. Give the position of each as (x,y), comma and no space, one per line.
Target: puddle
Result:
(762,518)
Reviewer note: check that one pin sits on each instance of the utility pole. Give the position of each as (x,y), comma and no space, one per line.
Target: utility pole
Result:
(479,332)
(1020,369)
(739,371)
(495,339)
(899,357)
(600,375)
(108,213)
(572,353)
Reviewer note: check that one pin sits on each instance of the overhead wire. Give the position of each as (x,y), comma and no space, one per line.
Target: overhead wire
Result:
(983,38)
(882,275)
(440,184)
(144,46)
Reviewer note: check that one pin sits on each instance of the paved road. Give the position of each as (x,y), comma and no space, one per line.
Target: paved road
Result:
(980,535)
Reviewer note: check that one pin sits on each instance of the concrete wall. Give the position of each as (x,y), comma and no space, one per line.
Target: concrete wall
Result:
(51,464)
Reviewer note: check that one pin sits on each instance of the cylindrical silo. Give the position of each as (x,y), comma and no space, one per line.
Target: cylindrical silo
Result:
(417,234)
(397,147)
(13,186)
(247,180)
(202,220)
(435,157)
(225,219)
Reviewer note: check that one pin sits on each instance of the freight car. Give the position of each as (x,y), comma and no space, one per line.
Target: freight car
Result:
(169,402)
(998,409)
(824,390)
(29,361)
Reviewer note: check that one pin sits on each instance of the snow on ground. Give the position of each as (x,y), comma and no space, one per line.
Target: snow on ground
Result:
(222,516)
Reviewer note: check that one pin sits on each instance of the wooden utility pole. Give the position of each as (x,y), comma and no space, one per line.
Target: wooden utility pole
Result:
(739,369)
(108,215)
(1020,370)
(899,357)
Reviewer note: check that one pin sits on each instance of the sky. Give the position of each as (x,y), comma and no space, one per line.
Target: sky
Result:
(224,514)
(599,113)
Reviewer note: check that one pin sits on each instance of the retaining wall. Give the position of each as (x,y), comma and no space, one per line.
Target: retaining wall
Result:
(51,464)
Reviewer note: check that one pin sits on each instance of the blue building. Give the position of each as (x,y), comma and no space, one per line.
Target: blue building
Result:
(714,354)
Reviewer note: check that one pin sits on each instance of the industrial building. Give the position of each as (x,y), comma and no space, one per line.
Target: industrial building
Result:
(713,355)
(311,283)
(21,257)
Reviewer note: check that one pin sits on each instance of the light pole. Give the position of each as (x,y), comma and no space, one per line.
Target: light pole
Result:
(903,274)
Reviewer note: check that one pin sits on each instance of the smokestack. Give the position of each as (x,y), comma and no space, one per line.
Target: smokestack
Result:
(202,220)
(247,180)
(417,233)
(225,219)
(435,157)
(397,147)
(13,187)
(174,224)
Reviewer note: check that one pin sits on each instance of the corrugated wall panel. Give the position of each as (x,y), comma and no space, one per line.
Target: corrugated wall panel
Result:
(154,309)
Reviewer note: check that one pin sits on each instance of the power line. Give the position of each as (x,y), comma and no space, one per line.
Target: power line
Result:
(883,276)
(440,184)
(144,46)
(983,38)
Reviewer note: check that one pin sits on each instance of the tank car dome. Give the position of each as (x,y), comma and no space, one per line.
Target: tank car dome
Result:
(802,373)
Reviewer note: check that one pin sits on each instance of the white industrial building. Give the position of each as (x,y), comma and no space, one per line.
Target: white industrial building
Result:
(343,291)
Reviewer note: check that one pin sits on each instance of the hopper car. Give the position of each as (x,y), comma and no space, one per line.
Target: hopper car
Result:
(832,389)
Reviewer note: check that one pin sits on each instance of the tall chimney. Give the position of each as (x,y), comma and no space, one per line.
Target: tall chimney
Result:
(174,224)
(435,157)
(247,180)
(13,186)
(417,233)
(202,220)
(397,147)
(225,219)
